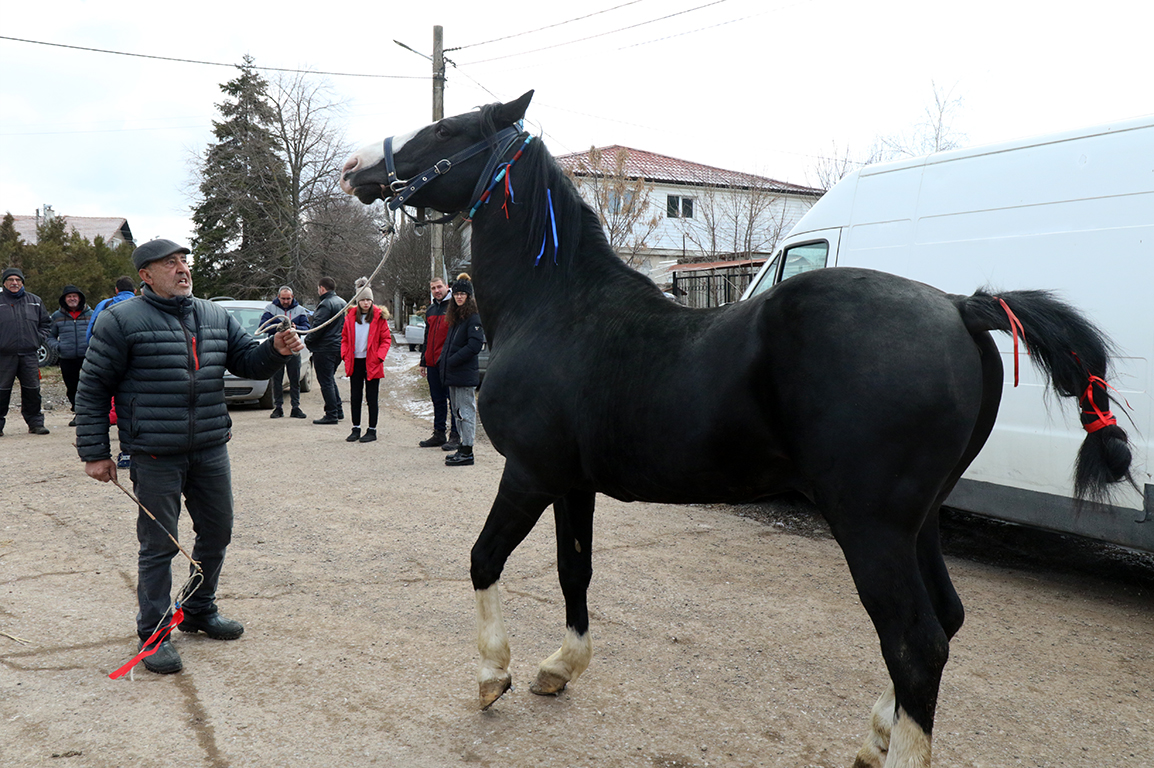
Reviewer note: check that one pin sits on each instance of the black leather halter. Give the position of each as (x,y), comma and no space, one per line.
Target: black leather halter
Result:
(497,144)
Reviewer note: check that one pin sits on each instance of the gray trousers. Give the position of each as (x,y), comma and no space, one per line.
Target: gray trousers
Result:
(464,403)
(204,478)
(293,366)
(26,368)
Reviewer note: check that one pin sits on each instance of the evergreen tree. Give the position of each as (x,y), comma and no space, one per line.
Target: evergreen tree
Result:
(243,221)
(61,257)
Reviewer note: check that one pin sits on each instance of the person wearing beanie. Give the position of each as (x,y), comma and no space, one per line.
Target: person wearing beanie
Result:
(24,326)
(458,366)
(69,338)
(365,340)
(163,356)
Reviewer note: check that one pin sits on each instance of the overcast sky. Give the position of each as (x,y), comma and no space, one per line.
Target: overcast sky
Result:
(759,86)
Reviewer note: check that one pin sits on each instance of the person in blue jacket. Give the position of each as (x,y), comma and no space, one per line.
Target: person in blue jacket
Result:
(125,289)
(69,338)
(287,306)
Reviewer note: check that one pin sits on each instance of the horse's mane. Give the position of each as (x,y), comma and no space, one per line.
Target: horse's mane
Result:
(581,245)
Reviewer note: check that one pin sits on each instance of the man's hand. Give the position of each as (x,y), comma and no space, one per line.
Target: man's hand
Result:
(287,342)
(103,470)
(423,370)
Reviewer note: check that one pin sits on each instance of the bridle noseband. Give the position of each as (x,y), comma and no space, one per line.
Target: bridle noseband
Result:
(401,190)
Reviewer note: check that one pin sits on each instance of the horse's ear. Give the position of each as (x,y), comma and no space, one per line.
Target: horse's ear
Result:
(514,110)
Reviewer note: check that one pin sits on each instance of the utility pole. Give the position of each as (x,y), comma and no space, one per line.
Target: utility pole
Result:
(437,235)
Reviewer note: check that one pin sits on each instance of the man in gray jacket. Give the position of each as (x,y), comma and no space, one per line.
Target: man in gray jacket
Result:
(24,325)
(163,356)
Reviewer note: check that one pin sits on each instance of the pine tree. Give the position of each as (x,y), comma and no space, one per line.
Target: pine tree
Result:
(243,220)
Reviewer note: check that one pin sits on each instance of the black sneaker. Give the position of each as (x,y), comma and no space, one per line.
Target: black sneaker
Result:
(212,624)
(453,443)
(369,436)
(354,436)
(38,430)
(327,420)
(277,413)
(298,414)
(165,660)
(436,441)
(462,458)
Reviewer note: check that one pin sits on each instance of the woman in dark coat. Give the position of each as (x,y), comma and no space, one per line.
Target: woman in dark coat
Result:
(458,366)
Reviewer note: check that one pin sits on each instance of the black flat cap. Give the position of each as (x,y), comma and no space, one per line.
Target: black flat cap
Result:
(155,249)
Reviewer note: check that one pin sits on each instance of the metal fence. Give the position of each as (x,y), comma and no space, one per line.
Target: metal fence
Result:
(712,288)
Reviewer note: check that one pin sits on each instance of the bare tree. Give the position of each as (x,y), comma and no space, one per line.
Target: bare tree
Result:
(731,222)
(831,169)
(622,203)
(935,132)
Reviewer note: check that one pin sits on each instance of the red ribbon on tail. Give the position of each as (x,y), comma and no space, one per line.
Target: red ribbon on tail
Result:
(1016,327)
(146,650)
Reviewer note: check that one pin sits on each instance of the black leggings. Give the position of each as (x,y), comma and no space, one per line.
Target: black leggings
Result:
(356,387)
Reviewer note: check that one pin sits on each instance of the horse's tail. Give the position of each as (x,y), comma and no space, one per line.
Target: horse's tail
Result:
(1074,355)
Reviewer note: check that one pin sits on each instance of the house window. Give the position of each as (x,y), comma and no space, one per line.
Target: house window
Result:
(677,207)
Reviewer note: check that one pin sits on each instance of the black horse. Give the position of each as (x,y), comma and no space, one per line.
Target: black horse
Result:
(866,392)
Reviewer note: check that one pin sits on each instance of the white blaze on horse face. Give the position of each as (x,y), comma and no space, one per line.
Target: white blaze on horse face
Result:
(369,156)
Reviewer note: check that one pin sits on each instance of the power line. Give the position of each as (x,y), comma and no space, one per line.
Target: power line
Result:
(208,63)
(602,34)
(542,29)
(715,26)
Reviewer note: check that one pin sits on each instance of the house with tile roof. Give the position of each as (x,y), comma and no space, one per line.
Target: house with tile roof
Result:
(114,230)
(688,213)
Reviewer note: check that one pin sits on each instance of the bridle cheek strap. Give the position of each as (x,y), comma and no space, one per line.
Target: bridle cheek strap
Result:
(401,191)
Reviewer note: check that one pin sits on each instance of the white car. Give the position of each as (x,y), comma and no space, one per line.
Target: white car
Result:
(259,391)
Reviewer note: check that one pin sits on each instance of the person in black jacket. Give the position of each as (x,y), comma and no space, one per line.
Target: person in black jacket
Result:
(325,345)
(458,366)
(69,337)
(24,325)
(163,356)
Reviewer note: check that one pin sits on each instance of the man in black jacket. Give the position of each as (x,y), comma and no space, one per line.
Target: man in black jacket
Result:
(24,325)
(163,356)
(325,345)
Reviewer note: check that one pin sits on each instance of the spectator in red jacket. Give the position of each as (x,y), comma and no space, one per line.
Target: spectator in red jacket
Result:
(436,329)
(365,340)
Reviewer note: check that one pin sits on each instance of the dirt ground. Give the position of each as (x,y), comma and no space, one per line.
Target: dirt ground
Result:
(722,636)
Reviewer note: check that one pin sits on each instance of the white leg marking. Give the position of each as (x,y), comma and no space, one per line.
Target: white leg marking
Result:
(493,673)
(873,752)
(566,665)
(909,744)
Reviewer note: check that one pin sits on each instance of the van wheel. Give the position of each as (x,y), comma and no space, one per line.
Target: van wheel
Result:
(266,399)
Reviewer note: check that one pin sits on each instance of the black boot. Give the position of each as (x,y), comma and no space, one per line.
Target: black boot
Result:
(462,458)
(436,441)
(453,443)
(354,436)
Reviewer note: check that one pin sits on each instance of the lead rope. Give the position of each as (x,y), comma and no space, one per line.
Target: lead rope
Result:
(281,323)
(152,644)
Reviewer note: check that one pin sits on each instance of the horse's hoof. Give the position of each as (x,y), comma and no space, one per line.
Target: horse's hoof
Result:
(491,690)
(548,683)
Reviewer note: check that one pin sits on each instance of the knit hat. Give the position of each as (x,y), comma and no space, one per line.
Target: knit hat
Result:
(153,250)
(463,285)
(363,289)
(10,272)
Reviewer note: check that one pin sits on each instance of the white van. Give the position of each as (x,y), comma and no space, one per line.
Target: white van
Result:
(1073,213)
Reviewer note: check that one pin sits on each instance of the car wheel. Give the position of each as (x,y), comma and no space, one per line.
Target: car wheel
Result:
(46,355)
(265,400)
(307,377)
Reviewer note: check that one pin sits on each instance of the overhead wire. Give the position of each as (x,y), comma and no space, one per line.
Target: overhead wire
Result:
(209,63)
(542,29)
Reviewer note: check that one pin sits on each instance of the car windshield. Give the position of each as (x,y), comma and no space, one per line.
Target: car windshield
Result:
(248,317)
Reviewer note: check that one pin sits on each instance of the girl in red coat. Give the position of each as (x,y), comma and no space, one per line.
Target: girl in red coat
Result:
(365,340)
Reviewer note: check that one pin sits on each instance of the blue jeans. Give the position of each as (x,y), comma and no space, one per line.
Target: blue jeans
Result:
(325,368)
(204,478)
(439,394)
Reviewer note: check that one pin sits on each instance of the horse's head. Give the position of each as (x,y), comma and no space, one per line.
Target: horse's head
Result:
(438,166)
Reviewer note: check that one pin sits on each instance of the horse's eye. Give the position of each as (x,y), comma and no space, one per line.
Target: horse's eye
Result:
(443,131)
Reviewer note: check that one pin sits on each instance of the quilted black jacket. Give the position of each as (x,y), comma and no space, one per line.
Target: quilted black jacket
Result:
(164,361)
